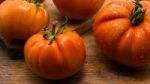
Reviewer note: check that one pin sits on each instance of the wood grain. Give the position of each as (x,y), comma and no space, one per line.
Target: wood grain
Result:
(96,70)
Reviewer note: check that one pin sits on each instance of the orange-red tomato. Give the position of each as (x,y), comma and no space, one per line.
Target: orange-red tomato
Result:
(20,19)
(78,9)
(61,59)
(118,38)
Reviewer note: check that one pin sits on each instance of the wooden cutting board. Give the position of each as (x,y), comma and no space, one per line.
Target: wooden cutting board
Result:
(97,68)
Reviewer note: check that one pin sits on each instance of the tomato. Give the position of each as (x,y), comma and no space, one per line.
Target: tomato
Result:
(122,30)
(57,59)
(20,19)
(78,9)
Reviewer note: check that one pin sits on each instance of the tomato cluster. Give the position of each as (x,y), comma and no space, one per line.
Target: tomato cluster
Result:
(56,53)
(121,30)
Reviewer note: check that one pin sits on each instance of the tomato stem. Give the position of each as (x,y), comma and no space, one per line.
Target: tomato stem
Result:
(52,33)
(61,27)
(137,14)
(36,2)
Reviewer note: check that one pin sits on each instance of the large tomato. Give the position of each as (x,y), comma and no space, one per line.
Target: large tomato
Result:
(78,9)
(57,59)
(122,30)
(20,19)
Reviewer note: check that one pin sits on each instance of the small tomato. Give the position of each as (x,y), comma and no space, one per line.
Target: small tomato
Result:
(20,19)
(55,56)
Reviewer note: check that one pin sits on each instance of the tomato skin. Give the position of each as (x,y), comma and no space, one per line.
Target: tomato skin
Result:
(61,59)
(118,39)
(78,9)
(20,19)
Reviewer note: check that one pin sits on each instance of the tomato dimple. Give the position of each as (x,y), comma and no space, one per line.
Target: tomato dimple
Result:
(31,50)
(50,61)
(110,35)
(139,44)
(74,36)
(70,53)
(113,12)
(124,46)
(78,44)
(35,58)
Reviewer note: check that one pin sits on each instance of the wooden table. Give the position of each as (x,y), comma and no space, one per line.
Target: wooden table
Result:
(97,69)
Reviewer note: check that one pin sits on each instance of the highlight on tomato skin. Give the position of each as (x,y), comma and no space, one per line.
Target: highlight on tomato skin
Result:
(78,9)
(19,19)
(55,55)
(121,30)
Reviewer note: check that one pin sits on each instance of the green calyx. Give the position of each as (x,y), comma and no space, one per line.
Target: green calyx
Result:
(36,2)
(137,14)
(52,33)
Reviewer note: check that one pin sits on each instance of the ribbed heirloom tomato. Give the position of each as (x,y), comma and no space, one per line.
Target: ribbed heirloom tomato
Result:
(122,30)
(55,55)
(20,19)
(78,9)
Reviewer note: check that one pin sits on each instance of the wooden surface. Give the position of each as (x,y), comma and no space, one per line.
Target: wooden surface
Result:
(97,68)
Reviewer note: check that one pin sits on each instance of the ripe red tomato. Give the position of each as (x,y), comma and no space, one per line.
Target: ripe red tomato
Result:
(60,59)
(78,9)
(122,30)
(20,19)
